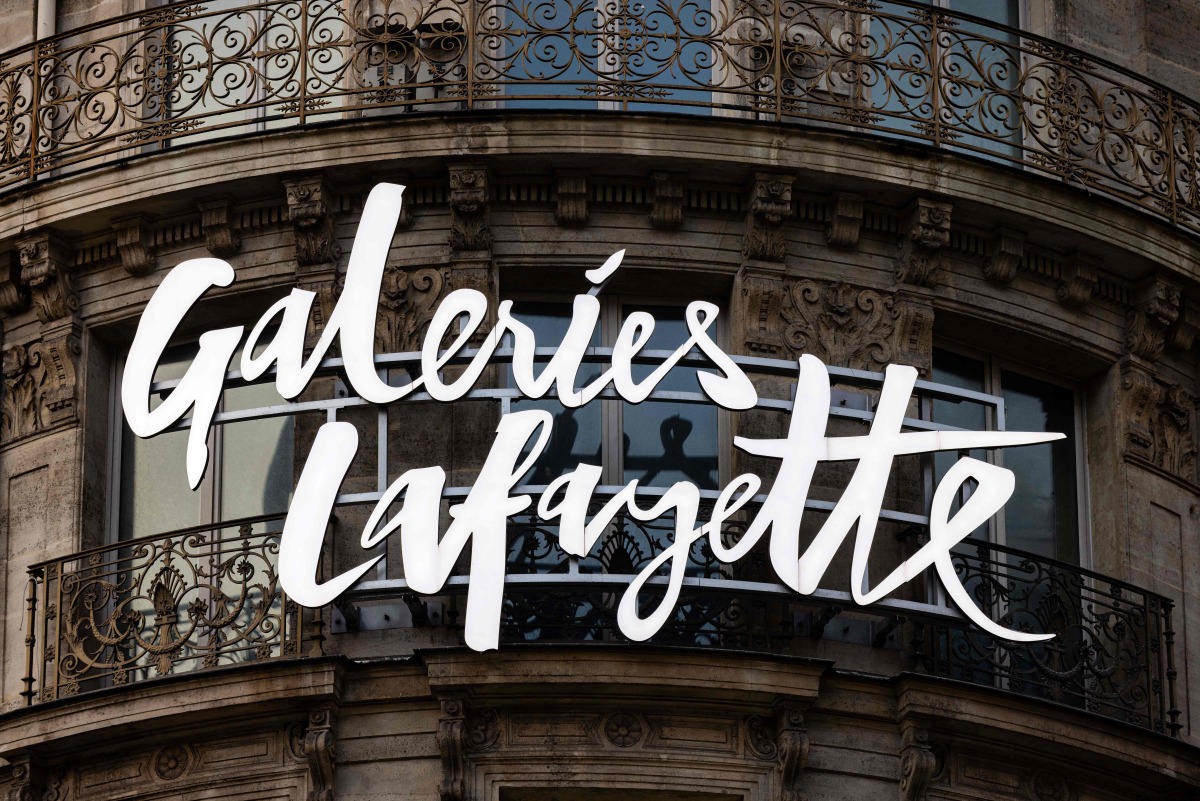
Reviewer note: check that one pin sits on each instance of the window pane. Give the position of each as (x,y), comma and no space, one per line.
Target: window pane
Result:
(577,432)
(664,442)
(154,495)
(962,372)
(1042,516)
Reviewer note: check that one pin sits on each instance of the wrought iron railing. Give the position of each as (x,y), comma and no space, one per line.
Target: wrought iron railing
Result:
(210,596)
(195,71)
(193,599)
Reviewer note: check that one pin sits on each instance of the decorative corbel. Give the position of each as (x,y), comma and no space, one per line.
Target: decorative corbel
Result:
(310,210)
(1187,326)
(45,267)
(845,220)
(1006,251)
(758,295)
(27,782)
(770,205)
(572,198)
(926,233)
(1079,279)
(14,293)
(918,764)
(1155,310)
(135,243)
(468,200)
(1140,395)
(793,747)
(220,236)
(452,746)
(666,212)
(320,749)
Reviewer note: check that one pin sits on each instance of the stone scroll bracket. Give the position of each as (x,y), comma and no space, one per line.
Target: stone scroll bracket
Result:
(918,761)
(925,234)
(845,220)
(470,228)
(320,750)
(1005,252)
(310,207)
(770,207)
(28,780)
(135,244)
(666,210)
(14,292)
(45,267)
(1080,277)
(464,731)
(571,198)
(221,236)
(792,742)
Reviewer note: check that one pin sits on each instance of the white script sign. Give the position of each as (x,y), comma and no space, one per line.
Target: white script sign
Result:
(482,518)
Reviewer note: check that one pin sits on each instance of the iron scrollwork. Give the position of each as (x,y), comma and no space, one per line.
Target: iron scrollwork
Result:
(194,72)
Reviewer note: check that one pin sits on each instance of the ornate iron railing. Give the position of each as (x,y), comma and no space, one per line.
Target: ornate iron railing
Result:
(197,598)
(209,596)
(195,71)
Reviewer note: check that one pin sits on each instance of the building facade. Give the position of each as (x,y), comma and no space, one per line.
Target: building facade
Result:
(1002,194)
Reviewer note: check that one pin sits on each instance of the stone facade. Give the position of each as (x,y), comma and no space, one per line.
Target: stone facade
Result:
(812,240)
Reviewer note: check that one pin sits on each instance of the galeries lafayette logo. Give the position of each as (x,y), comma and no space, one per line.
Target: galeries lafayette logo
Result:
(482,518)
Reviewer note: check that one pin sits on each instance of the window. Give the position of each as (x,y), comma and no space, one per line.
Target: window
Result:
(249,470)
(1043,516)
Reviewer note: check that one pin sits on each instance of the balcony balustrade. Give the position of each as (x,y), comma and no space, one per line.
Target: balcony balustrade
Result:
(208,597)
(190,72)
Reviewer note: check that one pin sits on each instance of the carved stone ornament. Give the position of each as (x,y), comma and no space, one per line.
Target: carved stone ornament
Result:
(793,746)
(758,297)
(171,762)
(1150,320)
(926,233)
(770,206)
(452,747)
(45,267)
(845,220)
(1047,786)
(40,386)
(1158,420)
(760,738)
(310,210)
(407,301)
(14,293)
(483,729)
(1079,279)
(469,227)
(320,749)
(220,236)
(135,244)
(572,198)
(623,729)
(666,212)
(1005,253)
(26,783)
(854,327)
(918,764)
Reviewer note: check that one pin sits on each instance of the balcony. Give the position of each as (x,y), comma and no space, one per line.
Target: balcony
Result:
(209,596)
(189,72)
